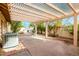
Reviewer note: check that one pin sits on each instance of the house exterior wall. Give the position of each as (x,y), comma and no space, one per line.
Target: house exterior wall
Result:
(0,30)
(3,26)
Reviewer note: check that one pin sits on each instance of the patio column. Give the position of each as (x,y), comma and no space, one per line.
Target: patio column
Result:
(75,30)
(35,29)
(46,33)
(8,27)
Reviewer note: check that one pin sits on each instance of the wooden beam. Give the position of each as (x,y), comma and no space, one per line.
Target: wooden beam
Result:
(32,11)
(75,41)
(23,18)
(2,5)
(39,14)
(27,18)
(57,9)
(41,9)
(58,19)
(24,15)
(73,9)
(27,14)
(72,14)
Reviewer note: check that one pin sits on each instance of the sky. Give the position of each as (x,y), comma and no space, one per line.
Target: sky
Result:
(65,21)
(26,24)
(68,21)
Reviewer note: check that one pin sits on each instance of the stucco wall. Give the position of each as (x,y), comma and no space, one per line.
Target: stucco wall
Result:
(0,29)
(61,32)
(3,26)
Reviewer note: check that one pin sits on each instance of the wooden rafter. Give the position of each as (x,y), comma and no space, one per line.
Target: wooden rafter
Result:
(16,17)
(4,7)
(34,12)
(42,15)
(71,6)
(57,9)
(17,10)
(41,9)
(25,17)
(5,12)
(26,13)
(59,18)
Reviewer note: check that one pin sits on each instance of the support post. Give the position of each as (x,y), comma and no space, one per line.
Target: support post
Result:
(8,27)
(46,33)
(75,30)
(35,29)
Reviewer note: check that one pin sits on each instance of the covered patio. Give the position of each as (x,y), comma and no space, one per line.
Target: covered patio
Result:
(44,12)
(47,12)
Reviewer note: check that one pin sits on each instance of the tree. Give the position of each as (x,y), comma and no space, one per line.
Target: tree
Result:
(16,26)
(56,26)
(50,27)
(71,29)
(32,25)
(41,27)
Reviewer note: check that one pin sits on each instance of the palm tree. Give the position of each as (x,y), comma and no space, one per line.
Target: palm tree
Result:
(71,29)
(56,26)
(16,25)
(32,25)
(41,27)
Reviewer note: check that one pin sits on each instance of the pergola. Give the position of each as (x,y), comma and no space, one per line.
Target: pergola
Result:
(36,12)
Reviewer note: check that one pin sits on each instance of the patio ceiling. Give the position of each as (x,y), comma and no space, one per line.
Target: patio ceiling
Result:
(35,12)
